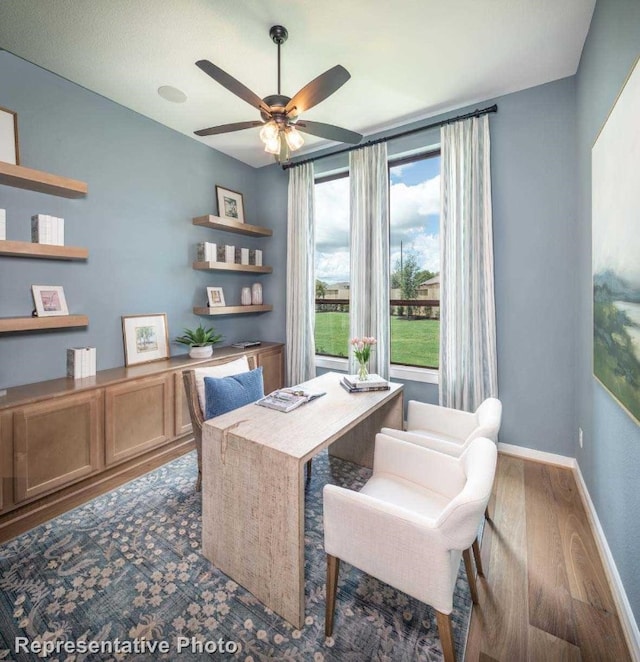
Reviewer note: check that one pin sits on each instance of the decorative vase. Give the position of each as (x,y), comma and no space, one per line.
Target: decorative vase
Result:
(245,297)
(256,294)
(363,373)
(201,352)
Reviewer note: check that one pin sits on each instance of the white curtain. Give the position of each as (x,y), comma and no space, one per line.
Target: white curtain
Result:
(369,296)
(468,363)
(300,347)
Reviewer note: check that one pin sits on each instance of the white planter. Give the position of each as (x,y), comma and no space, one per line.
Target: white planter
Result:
(201,352)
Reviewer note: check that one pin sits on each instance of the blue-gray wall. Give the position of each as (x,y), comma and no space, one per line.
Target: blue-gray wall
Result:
(610,459)
(146,182)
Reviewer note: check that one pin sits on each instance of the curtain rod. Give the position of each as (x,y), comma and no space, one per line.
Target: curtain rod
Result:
(476,113)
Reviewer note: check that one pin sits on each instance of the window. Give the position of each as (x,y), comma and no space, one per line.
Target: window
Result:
(414,261)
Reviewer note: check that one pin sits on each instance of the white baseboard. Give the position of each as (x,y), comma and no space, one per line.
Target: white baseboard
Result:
(627,620)
(538,456)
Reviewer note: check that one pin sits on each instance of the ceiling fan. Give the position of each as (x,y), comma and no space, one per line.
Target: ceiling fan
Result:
(281,123)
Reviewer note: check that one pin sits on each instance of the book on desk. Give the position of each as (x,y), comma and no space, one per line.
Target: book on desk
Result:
(287,399)
(373,382)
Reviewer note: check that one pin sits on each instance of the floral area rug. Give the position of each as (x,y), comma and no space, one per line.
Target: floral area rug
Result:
(127,568)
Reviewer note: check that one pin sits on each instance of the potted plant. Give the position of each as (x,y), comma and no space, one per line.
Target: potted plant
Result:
(200,341)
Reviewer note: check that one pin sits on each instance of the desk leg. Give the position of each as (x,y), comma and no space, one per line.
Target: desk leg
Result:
(358,444)
(253,519)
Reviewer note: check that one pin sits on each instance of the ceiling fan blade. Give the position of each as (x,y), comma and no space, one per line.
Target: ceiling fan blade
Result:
(232,84)
(226,128)
(329,131)
(318,90)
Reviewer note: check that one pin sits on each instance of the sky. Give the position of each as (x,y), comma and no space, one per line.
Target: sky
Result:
(415,219)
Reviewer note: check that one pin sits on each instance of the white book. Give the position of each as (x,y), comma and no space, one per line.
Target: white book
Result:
(60,231)
(39,233)
(49,237)
(212,252)
(230,253)
(244,256)
(3,224)
(258,257)
(92,362)
(74,362)
(372,380)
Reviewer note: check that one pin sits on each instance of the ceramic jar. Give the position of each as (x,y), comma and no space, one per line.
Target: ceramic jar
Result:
(256,294)
(245,297)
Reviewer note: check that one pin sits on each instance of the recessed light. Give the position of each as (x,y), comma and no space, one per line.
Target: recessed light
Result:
(172,94)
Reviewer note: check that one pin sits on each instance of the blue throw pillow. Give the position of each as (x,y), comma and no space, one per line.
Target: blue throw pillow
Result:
(223,394)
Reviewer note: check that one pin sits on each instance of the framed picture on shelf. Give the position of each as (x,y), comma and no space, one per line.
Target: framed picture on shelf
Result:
(49,300)
(215,297)
(9,152)
(146,338)
(230,205)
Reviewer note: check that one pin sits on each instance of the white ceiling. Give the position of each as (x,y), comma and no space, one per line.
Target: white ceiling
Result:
(408,59)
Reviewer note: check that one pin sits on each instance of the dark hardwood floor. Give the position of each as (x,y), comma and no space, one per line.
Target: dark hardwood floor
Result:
(545,596)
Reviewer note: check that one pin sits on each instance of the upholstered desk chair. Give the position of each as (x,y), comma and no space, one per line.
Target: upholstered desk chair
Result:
(411,523)
(194,388)
(449,430)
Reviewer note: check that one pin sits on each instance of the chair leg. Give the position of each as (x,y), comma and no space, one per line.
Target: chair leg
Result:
(477,558)
(307,470)
(333,568)
(199,481)
(471,576)
(446,636)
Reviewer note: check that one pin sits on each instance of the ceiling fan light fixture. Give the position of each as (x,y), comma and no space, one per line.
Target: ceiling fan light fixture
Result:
(294,138)
(269,132)
(272,146)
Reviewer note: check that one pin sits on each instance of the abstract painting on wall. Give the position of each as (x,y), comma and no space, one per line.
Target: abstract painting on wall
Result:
(615,163)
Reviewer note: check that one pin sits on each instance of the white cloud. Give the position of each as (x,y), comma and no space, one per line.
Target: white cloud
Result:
(410,205)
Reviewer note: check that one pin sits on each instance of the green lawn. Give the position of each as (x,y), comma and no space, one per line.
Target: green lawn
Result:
(413,342)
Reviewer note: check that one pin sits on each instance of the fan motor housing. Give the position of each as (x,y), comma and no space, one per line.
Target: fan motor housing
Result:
(277,103)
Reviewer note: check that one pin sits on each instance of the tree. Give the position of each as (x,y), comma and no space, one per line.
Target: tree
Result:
(321,289)
(408,276)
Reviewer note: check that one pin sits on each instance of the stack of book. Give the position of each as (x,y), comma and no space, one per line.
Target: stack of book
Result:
(47,229)
(81,362)
(373,383)
(207,252)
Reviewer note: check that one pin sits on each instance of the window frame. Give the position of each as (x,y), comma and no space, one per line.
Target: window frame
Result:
(403,371)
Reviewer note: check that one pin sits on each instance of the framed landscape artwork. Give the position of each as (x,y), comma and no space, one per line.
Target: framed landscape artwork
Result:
(230,205)
(146,338)
(616,249)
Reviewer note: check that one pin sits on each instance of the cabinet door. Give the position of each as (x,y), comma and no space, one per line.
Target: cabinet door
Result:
(272,362)
(6,460)
(139,417)
(181,409)
(56,443)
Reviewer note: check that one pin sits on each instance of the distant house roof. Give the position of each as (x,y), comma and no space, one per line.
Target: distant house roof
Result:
(432,281)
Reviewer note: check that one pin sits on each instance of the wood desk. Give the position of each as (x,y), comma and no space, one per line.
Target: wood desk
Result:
(253,483)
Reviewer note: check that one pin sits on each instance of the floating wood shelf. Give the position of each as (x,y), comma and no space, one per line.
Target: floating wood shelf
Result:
(217,223)
(228,266)
(43,182)
(232,310)
(44,251)
(9,324)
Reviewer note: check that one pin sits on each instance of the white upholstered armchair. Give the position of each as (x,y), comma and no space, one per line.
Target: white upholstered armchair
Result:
(449,430)
(411,523)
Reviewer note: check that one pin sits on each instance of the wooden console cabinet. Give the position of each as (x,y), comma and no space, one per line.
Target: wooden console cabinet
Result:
(64,441)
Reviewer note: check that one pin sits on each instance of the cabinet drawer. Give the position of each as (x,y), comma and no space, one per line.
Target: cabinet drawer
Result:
(139,417)
(56,443)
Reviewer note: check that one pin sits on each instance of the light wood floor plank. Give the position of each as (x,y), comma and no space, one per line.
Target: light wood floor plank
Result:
(550,603)
(600,634)
(501,617)
(586,574)
(544,647)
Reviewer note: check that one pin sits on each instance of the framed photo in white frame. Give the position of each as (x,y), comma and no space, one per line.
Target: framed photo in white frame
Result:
(49,300)
(146,338)
(9,151)
(230,204)
(215,297)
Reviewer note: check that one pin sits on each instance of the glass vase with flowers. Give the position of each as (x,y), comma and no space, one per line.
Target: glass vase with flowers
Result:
(362,351)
